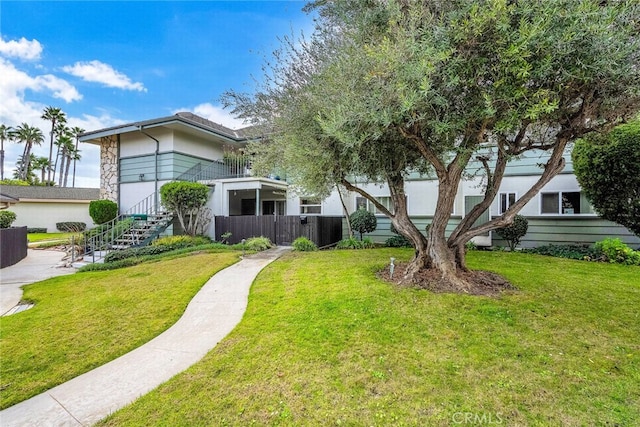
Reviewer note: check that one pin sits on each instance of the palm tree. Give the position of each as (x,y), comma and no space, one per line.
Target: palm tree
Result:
(30,136)
(76,131)
(29,176)
(42,164)
(65,145)
(55,116)
(5,135)
(61,130)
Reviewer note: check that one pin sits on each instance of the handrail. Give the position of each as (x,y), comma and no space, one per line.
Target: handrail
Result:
(102,241)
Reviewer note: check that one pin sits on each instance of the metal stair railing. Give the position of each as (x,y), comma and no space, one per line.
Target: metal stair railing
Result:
(99,243)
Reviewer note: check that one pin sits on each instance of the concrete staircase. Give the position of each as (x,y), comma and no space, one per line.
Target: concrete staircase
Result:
(145,228)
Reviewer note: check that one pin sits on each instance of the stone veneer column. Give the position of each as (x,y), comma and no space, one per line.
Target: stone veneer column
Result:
(109,168)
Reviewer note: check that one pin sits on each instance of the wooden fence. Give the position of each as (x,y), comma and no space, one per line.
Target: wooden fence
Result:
(13,245)
(280,229)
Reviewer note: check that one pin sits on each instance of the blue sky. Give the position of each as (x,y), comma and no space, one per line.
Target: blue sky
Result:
(108,63)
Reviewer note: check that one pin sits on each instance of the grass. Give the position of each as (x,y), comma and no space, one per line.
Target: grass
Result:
(323,342)
(84,320)
(45,237)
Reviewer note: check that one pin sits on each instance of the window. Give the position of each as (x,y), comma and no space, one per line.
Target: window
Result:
(506,200)
(564,203)
(310,206)
(385,201)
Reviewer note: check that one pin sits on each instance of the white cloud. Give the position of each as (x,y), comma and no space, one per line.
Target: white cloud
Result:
(216,114)
(99,72)
(14,109)
(23,49)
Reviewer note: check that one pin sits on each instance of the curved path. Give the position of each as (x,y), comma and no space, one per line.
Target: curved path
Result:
(38,265)
(209,317)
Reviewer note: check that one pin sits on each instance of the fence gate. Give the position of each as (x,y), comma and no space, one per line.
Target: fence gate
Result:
(280,229)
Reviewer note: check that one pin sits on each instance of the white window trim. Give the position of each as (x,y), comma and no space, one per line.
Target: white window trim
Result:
(559,213)
(369,202)
(301,205)
(500,212)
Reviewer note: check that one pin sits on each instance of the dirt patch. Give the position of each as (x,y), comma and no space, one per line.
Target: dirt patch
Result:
(476,282)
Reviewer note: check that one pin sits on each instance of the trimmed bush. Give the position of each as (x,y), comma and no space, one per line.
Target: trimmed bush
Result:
(7,218)
(258,244)
(514,232)
(71,226)
(615,251)
(187,200)
(303,244)
(36,230)
(102,211)
(363,221)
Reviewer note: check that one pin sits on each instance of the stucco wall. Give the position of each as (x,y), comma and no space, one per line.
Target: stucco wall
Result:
(47,214)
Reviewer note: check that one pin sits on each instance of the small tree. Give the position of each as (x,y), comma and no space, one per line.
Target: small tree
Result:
(187,200)
(102,211)
(514,232)
(363,221)
(608,170)
(7,218)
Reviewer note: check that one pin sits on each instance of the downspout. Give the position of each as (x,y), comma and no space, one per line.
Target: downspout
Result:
(155,158)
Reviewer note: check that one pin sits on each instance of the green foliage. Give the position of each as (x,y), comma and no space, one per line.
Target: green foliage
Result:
(363,221)
(187,200)
(20,182)
(303,244)
(71,226)
(608,170)
(397,241)
(176,242)
(514,232)
(36,230)
(386,87)
(102,211)
(353,243)
(258,244)
(6,218)
(615,251)
(570,251)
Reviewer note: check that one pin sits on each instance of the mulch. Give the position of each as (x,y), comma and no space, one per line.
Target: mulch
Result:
(475,282)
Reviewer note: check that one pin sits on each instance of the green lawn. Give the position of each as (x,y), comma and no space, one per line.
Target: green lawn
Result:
(45,237)
(84,320)
(323,342)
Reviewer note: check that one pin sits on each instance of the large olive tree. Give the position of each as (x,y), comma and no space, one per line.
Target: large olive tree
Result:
(388,87)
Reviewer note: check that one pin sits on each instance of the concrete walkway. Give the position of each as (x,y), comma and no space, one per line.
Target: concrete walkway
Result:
(209,317)
(38,265)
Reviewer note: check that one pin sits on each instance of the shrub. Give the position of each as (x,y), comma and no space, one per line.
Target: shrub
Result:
(6,218)
(514,232)
(398,241)
(102,211)
(176,242)
(71,226)
(570,251)
(353,243)
(363,221)
(36,230)
(258,244)
(303,244)
(20,182)
(615,251)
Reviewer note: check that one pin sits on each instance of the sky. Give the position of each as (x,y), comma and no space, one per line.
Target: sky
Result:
(107,63)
